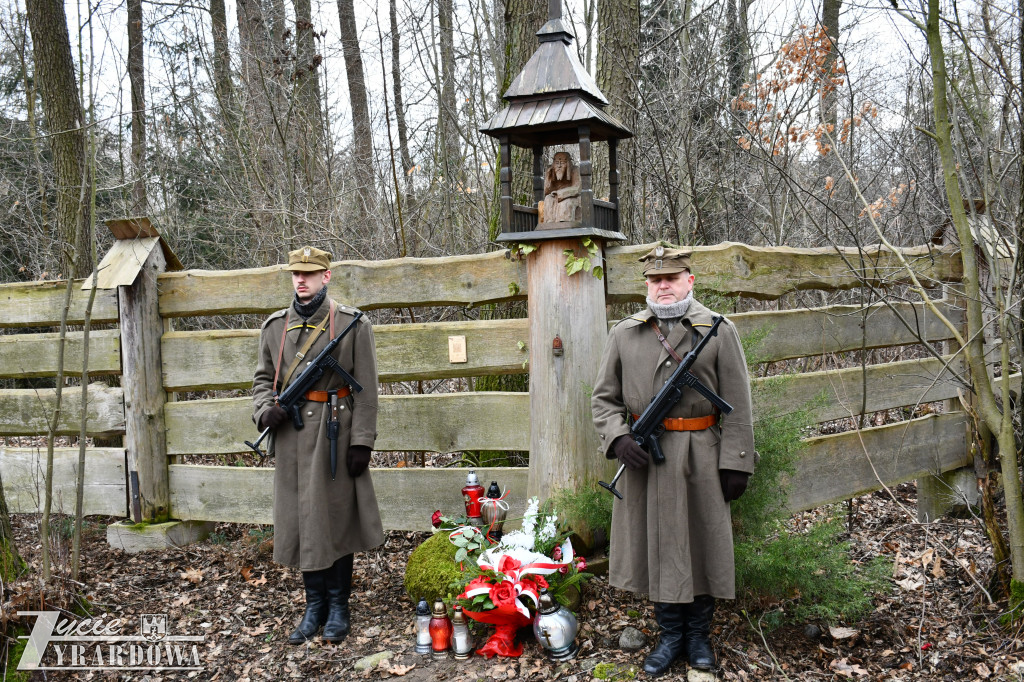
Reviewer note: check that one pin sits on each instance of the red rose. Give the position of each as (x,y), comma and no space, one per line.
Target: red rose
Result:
(435,519)
(582,565)
(563,570)
(556,554)
(503,593)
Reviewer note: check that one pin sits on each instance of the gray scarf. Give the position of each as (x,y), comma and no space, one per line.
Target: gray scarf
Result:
(671,313)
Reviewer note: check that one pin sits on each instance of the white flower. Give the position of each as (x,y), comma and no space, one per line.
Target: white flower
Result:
(530,517)
(547,532)
(517,539)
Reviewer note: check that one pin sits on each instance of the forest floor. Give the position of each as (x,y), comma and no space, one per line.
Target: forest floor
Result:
(933,622)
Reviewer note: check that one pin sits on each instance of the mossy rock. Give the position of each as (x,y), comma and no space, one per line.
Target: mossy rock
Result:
(432,569)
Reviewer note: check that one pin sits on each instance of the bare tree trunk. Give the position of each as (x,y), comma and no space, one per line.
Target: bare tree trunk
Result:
(995,415)
(136,75)
(222,62)
(11,563)
(522,20)
(308,131)
(396,85)
(447,115)
(362,140)
(55,75)
(618,73)
(830,21)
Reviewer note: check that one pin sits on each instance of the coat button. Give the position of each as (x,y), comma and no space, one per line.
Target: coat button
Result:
(309,414)
(341,407)
(668,363)
(743,453)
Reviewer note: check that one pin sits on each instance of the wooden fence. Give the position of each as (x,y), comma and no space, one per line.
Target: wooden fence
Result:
(833,468)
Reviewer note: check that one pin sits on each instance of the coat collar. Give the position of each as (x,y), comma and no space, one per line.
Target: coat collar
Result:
(681,338)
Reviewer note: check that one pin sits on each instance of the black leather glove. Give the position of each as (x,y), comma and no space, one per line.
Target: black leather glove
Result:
(273,417)
(629,453)
(733,483)
(358,459)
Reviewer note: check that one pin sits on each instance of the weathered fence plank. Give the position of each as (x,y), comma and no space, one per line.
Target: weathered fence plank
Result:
(768,272)
(889,385)
(223,359)
(25,411)
(837,467)
(832,468)
(834,329)
(397,283)
(25,356)
(38,304)
(23,472)
(406,497)
(439,423)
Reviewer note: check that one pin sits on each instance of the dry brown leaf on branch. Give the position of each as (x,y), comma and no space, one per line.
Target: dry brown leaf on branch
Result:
(193,575)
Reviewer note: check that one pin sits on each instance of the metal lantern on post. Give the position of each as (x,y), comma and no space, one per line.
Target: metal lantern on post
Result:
(422,627)
(555,628)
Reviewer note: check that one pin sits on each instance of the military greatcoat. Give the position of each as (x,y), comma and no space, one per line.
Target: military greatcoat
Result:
(317,520)
(672,532)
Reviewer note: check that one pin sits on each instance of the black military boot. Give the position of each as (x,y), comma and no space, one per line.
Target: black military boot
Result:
(698,635)
(339,587)
(316,606)
(672,640)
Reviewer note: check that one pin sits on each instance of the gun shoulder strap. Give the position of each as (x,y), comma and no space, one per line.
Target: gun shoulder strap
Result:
(306,346)
(664,341)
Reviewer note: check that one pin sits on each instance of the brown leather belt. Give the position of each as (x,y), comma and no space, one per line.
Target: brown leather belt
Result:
(684,424)
(324,396)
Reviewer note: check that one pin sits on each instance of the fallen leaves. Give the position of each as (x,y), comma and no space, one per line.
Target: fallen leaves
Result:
(193,575)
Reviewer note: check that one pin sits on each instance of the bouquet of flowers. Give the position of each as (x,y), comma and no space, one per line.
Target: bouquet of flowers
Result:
(503,586)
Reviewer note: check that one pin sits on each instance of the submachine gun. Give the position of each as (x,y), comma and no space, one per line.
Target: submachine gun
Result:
(649,427)
(294,396)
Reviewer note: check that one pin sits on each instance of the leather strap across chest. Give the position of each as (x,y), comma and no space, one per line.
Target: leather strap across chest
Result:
(305,347)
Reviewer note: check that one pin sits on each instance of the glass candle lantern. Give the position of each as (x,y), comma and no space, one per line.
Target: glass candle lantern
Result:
(462,642)
(555,628)
(423,627)
(440,631)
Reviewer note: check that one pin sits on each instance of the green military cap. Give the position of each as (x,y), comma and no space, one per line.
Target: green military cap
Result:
(663,260)
(308,259)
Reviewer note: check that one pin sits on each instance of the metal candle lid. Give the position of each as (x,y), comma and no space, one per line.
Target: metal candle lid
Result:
(547,604)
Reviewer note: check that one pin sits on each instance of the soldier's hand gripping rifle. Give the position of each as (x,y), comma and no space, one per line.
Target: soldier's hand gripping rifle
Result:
(646,430)
(294,396)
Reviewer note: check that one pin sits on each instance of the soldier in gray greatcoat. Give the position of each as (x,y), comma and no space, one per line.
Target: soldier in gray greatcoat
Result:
(319,522)
(672,532)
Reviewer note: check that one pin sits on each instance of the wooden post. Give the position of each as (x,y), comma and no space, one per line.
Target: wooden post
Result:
(586,179)
(144,396)
(505,178)
(563,442)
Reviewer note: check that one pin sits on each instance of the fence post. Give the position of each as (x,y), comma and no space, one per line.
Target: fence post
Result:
(144,397)
(571,308)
